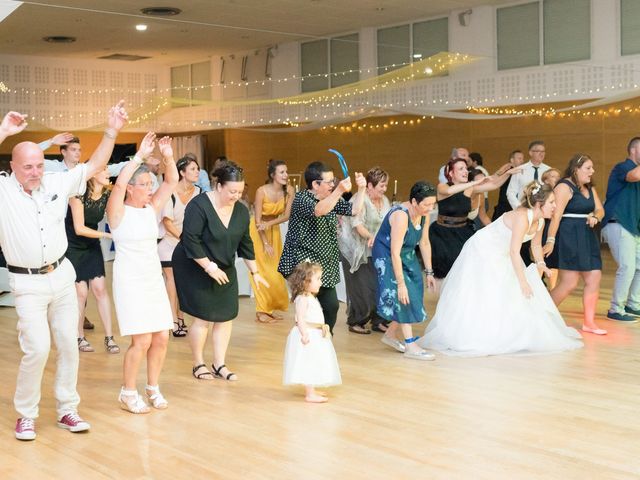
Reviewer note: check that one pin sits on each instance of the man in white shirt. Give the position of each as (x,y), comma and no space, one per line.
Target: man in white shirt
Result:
(457,152)
(532,170)
(34,241)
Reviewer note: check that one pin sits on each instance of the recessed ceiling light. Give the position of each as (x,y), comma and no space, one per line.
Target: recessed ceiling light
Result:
(59,39)
(161,11)
(379,9)
(141,27)
(417,55)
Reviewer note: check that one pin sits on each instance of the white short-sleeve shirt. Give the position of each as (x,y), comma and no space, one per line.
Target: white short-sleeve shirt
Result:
(32,232)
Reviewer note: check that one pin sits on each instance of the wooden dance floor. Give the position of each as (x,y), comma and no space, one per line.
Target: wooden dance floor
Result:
(572,415)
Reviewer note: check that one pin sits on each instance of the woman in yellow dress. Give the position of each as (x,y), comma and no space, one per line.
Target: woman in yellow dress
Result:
(272,207)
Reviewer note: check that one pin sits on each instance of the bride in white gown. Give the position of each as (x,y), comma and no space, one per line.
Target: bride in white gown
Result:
(490,304)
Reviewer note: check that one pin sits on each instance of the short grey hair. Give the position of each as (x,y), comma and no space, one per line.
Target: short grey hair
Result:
(140,170)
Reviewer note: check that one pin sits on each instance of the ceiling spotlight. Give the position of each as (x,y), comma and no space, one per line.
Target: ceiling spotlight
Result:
(141,27)
(417,56)
(379,9)
(161,11)
(59,39)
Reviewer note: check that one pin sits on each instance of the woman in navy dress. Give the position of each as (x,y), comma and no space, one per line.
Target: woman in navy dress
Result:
(572,246)
(400,284)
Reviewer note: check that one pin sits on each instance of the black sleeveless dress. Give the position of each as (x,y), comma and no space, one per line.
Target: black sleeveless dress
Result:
(447,240)
(577,247)
(85,253)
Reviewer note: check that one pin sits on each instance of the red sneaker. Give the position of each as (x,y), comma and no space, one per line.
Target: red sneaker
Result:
(73,423)
(26,429)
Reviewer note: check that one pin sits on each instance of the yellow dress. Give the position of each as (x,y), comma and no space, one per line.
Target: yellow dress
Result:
(276,297)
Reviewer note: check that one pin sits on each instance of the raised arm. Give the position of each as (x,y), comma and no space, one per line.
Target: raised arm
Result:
(116,120)
(12,124)
(77,214)
(115,205)
(358,198)
(325,205)
(171,176)
(445,190)
(59,139)
(496,180)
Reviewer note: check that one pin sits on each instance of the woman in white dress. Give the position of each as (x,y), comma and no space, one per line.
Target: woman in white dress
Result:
(506,308)
(172,219)
(139,293)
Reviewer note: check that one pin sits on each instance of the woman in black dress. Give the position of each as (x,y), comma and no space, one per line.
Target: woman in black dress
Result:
(215,228)
(85,255)
(453,227)
(572,246)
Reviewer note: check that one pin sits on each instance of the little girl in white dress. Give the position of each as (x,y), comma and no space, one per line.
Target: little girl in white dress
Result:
(309,356)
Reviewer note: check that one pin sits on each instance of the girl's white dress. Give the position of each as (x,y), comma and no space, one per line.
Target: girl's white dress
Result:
(315,363)
(139,294)
(482,311)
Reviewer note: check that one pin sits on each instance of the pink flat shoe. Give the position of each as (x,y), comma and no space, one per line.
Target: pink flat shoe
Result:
(595,331)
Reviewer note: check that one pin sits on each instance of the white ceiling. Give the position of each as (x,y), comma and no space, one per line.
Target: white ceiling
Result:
(204,28)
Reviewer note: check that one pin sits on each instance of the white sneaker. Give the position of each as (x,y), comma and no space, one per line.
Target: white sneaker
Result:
(423,355)
(393,343)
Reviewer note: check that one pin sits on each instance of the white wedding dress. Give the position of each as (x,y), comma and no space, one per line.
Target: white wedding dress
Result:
(482,310)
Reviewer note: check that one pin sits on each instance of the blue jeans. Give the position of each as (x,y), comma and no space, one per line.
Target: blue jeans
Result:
(625,248)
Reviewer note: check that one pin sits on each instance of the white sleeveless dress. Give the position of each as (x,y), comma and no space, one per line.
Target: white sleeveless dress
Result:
(482,311)
(139,294)
(314,363)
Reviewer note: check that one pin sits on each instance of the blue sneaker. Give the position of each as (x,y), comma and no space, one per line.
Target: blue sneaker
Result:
(621,317)
(632,311)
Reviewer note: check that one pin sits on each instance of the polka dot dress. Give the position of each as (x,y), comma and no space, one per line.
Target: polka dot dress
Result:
(313,238)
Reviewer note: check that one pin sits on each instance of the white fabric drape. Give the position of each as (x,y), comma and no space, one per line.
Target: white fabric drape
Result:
(189,144)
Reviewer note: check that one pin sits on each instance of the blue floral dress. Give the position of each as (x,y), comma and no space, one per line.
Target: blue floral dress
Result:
(389,307)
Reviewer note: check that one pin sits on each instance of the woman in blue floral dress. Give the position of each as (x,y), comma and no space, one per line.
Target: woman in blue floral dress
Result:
(400,284)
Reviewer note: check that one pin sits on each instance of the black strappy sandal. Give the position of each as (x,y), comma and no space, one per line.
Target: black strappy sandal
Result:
(200,376)
(217,374)
(181,331)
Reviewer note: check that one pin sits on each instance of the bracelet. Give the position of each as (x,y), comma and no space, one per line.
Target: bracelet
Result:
(212,267)
(428,271)
(541,262)
(254,273)
(111,133)
(551,239)
(137,160)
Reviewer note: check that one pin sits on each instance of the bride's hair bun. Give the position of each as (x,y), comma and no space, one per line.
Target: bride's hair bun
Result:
(535,193)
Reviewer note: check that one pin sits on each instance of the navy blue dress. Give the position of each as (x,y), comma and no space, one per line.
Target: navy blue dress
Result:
(577,247)
(389,307)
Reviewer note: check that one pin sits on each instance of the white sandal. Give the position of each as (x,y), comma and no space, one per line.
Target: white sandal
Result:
(132,402)
(157,399)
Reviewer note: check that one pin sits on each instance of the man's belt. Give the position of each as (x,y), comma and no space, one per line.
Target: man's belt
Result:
(37,271)
(455,222)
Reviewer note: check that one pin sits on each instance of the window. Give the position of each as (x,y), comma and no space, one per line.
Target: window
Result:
(190,84)
(565,35)
(518,36)
(567,30)
(430,38)
(330,63)
(630,27)
(394,48)
(314,58)
(345,56)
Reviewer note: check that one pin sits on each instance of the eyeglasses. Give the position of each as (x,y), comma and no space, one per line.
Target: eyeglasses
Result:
(145,185)
(328,182)
(538,151)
